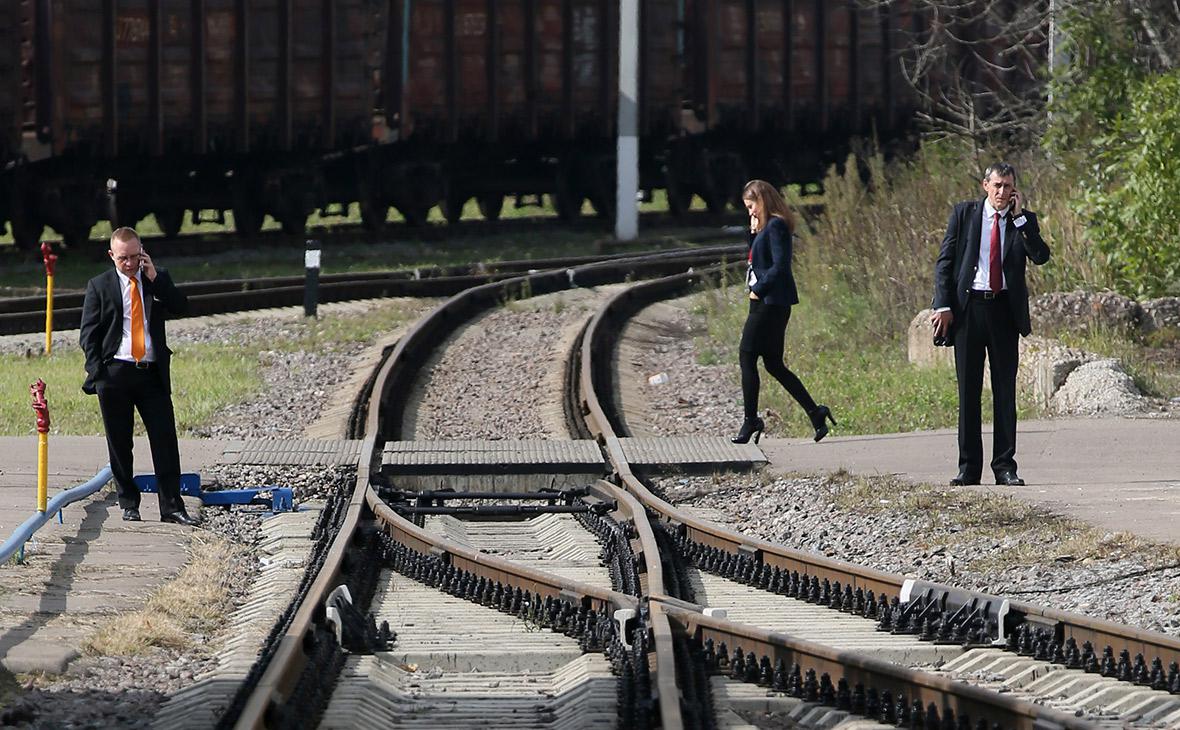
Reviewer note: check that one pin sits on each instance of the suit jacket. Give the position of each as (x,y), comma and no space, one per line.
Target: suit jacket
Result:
(101,331)
(958,259)
(770,259)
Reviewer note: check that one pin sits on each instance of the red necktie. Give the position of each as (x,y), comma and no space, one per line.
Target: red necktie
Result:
(996,273)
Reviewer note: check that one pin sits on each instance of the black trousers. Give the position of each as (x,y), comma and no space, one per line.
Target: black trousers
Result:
(764,335)
(987,327)
(124,390)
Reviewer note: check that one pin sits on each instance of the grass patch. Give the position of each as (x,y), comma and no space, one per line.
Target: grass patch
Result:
(992,531)
(338,334)
(865,379)
(205,378)
(194,602)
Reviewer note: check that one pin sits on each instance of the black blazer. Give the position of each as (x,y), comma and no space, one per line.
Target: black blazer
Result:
(101,331)
(958,258)
(771,261)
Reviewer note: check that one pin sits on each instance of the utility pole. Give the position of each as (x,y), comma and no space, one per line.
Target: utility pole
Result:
(627,171)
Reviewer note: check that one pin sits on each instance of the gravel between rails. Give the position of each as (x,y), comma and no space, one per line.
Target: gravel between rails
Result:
(500,376)
(800,512)
(126,692)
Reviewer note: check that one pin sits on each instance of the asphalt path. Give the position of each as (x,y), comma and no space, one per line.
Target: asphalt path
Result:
(1118,473)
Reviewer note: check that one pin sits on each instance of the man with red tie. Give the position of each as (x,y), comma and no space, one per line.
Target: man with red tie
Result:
(981,305)
(127,356)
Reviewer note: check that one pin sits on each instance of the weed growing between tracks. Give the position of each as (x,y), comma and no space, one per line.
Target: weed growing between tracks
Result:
(193,603)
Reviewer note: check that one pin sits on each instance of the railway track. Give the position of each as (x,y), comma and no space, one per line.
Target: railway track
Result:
(22,315)
(695,623)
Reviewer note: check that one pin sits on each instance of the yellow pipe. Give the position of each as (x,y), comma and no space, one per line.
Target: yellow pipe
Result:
(48,313)
(42,471)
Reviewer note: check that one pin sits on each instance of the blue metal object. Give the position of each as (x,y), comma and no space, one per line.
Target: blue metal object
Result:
(280,499)
(28,527)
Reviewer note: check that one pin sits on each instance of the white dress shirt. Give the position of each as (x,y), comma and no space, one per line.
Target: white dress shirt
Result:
(124,353)
(983,279)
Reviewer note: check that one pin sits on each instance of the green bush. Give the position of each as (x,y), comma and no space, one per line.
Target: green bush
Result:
(1135,203)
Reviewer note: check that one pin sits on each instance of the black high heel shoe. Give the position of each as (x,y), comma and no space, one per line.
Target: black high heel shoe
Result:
(819,418)
(750,428)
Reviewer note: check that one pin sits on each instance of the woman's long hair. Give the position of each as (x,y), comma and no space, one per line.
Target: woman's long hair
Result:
(771,199)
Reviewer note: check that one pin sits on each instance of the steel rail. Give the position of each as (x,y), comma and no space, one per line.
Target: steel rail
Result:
(366,511)
(1140,654)
(197,244)
(600,339)
(855,674)
(26,315)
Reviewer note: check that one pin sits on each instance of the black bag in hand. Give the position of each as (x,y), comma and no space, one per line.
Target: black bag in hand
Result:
(946,339)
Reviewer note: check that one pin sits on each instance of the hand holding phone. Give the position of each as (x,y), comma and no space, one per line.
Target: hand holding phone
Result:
(1017,204)
(147,266)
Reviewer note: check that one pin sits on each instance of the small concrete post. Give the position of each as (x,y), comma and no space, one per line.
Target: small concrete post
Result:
(311,281)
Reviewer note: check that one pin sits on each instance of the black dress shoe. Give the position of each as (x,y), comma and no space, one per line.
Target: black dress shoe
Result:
(962,480)
(750,427)
(819,416)
(1009,479)
(179,517)
(131,515)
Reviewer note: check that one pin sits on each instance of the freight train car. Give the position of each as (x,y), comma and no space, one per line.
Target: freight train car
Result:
(281,106)
(161,106)
(518,97)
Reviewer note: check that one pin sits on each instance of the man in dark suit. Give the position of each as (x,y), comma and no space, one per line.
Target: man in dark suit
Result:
(127,355)
(981,300)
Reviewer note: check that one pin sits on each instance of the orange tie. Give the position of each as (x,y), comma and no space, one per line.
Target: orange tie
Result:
(138,348)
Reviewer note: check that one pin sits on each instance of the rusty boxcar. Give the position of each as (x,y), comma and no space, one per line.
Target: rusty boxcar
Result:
(191,104)
(124,108)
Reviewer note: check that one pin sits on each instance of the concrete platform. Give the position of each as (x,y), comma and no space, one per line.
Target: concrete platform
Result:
(92,566)
(1118,473)
(690,454)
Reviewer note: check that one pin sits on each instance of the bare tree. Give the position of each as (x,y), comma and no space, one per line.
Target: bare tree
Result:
(981,68)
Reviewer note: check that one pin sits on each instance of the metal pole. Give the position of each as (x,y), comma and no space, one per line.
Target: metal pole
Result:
(311,281)
(41,408)
(626,205)
(50,259)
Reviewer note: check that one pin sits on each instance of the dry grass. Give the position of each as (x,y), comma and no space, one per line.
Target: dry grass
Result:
(191,603)
(996,531)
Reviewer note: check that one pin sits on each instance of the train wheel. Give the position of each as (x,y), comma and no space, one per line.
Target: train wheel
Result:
(26,232)
(452,206)
(678,191)
(373,214)
(415,213)
(490,206)
(247,218)
(604,206)
(76,237)
(170,220)
(566,200)
(715,200)
(293,224)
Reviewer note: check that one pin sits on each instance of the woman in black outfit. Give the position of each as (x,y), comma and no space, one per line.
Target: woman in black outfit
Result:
(772,292)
